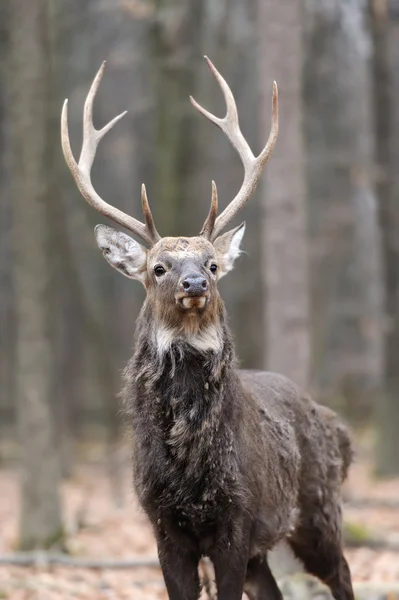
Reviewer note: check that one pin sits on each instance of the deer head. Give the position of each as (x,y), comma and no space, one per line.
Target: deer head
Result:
(179,274)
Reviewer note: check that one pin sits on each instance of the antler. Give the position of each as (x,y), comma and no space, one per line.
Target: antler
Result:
(253,165)
(81,171)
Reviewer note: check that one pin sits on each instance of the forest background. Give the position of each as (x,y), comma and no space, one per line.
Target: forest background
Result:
(315,294)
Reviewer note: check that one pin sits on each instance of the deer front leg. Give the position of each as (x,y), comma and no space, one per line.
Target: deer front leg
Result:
(231,565)
(180,571)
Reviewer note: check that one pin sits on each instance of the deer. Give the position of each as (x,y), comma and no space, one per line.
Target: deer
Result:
(226,462)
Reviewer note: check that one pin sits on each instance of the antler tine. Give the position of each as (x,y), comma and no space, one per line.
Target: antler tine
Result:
(209,224)
(149,220)
(231,106)
(253,165)
(82,171)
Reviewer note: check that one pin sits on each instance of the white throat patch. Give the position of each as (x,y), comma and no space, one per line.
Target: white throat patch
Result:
(209,338)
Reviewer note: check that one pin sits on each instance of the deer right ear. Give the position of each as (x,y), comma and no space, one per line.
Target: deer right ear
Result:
(122,252)
(227,248)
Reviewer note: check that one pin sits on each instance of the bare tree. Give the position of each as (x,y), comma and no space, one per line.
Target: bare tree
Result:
(30,80)
(385,19)
(345,262)
(175,45)
(284,237)
(7,316)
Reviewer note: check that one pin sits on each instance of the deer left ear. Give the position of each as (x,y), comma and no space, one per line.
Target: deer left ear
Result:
(227,248)
(122,252)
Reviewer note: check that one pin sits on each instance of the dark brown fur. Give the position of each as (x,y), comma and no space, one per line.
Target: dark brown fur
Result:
(227,463)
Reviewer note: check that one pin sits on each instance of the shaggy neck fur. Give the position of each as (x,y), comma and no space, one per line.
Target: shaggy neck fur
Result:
(176,333)
(192,355)
(179,391)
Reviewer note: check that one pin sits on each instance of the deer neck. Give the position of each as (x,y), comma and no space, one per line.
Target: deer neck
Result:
(183,407)
(181,334)
(184,373)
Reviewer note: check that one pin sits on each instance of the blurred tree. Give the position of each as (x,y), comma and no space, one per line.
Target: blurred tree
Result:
(385,20)
(346,282)
(284,239)
(30,83)
(7,315)
(175,46)
(345,261)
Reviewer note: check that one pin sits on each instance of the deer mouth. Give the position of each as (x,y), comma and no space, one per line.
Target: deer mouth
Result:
(187,302)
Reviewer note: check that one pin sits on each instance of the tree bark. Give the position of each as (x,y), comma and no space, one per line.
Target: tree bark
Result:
(385,20)
(30,80)
(175,44)
(284,238)
(7,313)
(345,244)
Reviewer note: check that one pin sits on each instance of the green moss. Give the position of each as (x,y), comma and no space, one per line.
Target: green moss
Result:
(356,534)
(56,540)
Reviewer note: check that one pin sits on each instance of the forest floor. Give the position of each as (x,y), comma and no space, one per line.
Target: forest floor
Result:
(98,528)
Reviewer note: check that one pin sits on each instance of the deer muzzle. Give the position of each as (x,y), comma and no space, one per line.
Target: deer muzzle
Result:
(193,292)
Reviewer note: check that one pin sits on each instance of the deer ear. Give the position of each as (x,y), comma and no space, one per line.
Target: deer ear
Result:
(227,248)
(122,252)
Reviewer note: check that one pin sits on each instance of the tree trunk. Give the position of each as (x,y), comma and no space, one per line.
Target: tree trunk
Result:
(30,79)
(175,40)
(385,19)
(7,313)
(345,261)
(284,239)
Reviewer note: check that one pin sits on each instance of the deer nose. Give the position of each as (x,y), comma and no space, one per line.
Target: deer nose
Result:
(195,285)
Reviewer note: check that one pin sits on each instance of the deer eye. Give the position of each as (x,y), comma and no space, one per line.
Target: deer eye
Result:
(213,268)
(158,270)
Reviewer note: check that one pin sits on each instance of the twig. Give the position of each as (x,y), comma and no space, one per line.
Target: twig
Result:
(390,503)
(44,559)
